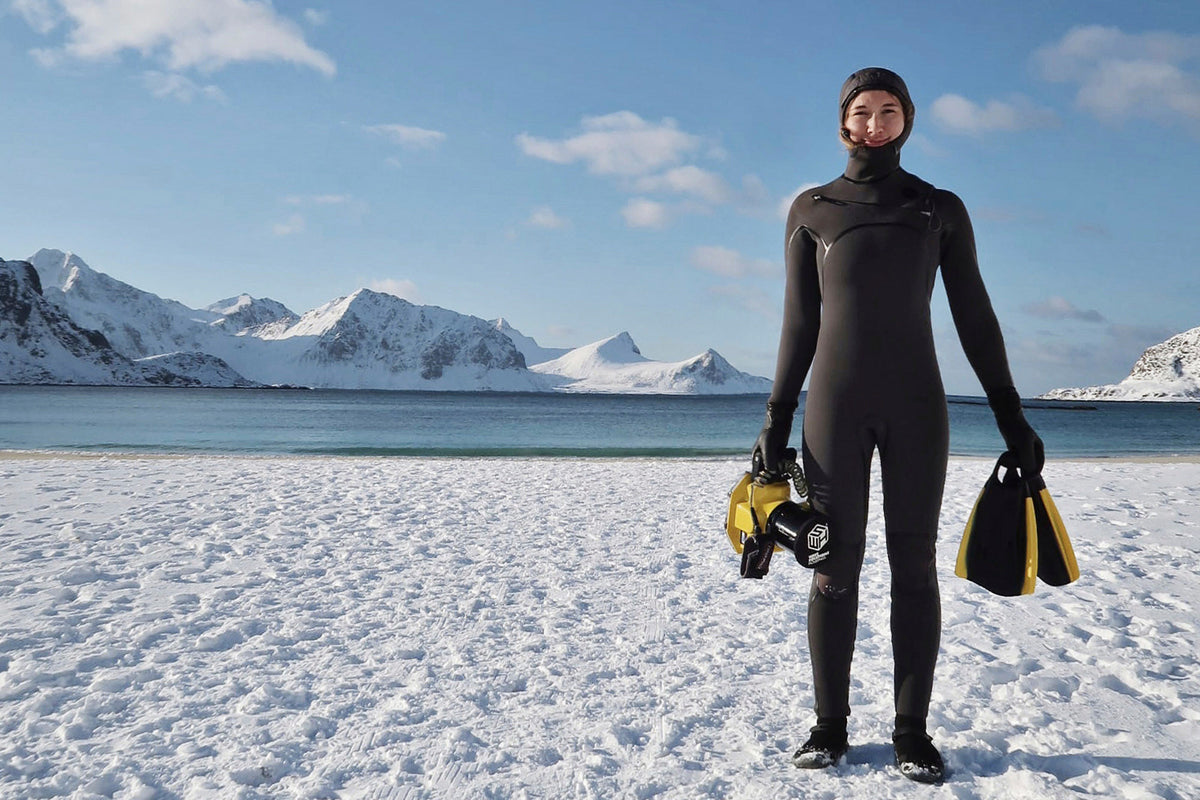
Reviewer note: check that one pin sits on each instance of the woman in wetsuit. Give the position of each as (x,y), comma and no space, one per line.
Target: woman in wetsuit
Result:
(862,254)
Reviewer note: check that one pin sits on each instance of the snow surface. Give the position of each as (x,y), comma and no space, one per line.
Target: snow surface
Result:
(210,627)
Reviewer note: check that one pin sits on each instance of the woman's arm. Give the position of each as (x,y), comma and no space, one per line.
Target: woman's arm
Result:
(976,323)
(801,312)
(797,344)
(979,332)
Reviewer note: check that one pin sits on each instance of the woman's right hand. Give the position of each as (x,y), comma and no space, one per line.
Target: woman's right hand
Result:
(771,446)
(1018,434)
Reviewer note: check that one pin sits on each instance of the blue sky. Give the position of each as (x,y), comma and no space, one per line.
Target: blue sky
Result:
(586,169)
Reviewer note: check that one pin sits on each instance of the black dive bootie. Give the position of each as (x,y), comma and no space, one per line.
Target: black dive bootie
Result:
(916,757)
(825,747)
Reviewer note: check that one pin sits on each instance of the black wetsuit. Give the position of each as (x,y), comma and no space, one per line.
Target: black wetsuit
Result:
(862,255)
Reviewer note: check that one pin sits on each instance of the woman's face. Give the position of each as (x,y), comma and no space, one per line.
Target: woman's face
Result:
(874,118)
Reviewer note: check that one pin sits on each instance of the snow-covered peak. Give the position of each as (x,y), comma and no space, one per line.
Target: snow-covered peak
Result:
(232,305)
(1169,370)
(364,304)
(58,269)
(534,353)
(1176,359)
(617,365)
(244,312)
(601,356)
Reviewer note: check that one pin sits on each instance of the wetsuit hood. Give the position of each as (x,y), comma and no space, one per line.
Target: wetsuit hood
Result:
(872,163)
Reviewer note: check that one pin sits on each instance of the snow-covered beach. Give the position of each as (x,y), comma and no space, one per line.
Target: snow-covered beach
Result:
(193,627)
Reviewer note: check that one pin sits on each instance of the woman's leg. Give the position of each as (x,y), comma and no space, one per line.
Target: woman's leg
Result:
(913,458)
(838,470)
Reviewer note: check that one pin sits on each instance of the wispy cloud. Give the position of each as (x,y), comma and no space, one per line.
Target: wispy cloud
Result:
(689,180)
(290,227)
(315,17)
(957,114)
(317,199)
(641,212)
(408,136)
(621,143)
(731,264)
(206,35)
(321,208)
(404,289)
(41,15)
(1061,308)
(180,87)
(1121,75)
(544,217)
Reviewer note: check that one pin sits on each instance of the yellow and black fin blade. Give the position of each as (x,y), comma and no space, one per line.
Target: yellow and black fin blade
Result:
(999,546)
(1056,556)
(1031,547)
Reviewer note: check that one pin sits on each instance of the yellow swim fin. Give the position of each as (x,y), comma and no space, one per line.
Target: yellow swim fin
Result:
(1056,557)
(999,548)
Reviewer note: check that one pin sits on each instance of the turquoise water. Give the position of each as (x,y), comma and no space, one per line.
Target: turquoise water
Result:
(326,422)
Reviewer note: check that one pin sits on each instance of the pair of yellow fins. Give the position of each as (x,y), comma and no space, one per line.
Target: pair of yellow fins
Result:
(1015,536)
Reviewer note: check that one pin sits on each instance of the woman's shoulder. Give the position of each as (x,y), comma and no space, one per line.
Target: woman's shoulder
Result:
(806,198)
(949,205)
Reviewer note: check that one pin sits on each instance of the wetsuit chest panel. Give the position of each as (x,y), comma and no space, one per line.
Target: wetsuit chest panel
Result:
(833,218)
(878,249)
(874,254)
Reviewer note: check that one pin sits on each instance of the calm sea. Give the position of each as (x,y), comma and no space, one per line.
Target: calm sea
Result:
(326,422)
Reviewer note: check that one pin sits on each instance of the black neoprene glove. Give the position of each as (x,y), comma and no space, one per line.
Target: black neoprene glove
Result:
(1019,437)
(772,442)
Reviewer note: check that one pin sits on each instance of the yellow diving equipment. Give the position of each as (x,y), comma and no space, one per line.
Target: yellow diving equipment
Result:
(763,519)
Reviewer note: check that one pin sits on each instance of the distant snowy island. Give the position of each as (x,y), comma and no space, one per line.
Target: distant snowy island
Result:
(1168,371)
(61,322)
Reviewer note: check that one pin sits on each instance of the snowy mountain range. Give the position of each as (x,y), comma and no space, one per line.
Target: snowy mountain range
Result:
(63,322)
(1169,370)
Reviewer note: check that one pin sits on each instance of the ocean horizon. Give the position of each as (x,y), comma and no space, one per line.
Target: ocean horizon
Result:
(497,424)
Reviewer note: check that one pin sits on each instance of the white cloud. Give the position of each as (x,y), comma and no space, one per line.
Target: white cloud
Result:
(957,114)
(642,213)
(404,289)
(785,204)
(621,143)
(172,84)
(293,225)
(544,217)
(41,15)
(317,199)
(315,17)
(688,179)
(1061,308)
(408,135)
(732,264)
(1121,75)
(184,34)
